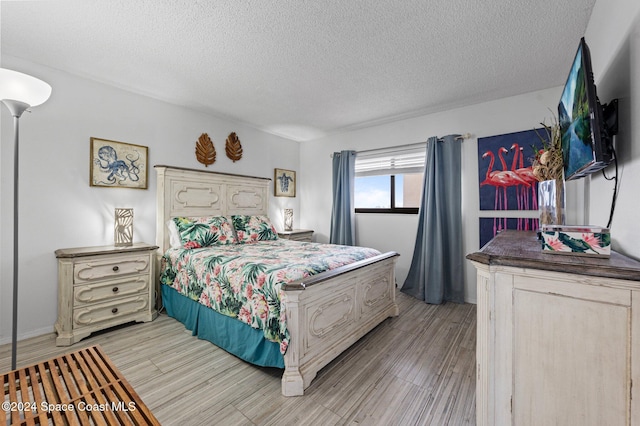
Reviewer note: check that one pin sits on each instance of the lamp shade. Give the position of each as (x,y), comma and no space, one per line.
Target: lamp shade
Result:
(16,86)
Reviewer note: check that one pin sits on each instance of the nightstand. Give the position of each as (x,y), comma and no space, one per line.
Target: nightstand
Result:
(99,287)
(297,235)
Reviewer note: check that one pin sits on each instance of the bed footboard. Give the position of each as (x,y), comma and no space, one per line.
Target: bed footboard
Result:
(329,312)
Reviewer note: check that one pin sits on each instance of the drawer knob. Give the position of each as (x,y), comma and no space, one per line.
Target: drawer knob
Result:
(115,289)
(115,268)
(114,311)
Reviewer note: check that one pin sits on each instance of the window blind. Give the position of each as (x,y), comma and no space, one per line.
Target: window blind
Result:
(390,161)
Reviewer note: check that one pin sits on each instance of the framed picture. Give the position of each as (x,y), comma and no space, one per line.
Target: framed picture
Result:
(284,183)
(118,164)
(505,170)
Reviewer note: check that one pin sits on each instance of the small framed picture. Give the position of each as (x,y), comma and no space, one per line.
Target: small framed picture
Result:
(118,164)
(284,183)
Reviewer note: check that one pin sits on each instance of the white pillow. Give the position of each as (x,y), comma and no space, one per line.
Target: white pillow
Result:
(174,235)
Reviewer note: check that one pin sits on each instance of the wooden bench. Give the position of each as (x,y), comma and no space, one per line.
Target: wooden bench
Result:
(77,388)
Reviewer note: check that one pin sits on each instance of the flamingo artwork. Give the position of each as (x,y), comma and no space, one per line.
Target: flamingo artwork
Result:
(501,179)
(509,176)
(526,197)
(506,180)
(489,180)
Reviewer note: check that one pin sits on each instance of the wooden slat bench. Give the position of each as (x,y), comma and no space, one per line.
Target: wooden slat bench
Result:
(78,388)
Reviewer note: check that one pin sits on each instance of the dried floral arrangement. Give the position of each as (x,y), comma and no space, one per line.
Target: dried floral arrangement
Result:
(548,163)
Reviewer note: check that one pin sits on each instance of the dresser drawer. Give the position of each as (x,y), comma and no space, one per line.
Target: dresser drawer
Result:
(109,290)
(115,312)
(109,267)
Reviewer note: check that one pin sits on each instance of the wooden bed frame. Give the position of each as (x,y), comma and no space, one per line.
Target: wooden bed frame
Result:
(326,313)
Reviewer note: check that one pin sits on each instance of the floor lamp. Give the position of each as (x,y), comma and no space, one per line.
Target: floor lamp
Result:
(18,92)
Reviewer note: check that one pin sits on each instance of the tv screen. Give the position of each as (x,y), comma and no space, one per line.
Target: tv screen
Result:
(585,139)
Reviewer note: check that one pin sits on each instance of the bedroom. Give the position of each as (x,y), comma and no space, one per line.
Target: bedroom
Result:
(56,175)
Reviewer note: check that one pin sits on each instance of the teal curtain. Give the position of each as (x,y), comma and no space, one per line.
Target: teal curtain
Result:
(343,230)
(436,274)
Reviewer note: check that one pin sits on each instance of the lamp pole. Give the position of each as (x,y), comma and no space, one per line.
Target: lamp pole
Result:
(18,92)
(16,108)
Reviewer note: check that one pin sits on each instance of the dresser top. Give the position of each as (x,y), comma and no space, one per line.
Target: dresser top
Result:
(522,249)
(92,251)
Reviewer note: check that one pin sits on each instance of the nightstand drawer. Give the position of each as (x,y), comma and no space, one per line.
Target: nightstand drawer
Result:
(115,311)
(108,290)
(305,235)
(302,236)
(109,267)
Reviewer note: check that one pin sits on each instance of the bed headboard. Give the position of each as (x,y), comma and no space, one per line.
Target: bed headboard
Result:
(190,192)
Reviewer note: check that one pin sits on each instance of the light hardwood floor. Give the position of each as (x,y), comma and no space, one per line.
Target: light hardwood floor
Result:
(416,369)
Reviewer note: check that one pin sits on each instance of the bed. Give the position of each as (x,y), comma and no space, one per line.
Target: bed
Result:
(325,312)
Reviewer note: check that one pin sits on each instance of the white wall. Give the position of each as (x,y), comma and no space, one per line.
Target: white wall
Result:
(613,36)
(58,208)
(397,232)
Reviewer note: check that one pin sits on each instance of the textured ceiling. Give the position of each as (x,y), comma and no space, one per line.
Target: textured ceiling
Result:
(303,69)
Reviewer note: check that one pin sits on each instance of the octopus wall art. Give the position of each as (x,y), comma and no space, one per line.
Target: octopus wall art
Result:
(118,164)
(506,180)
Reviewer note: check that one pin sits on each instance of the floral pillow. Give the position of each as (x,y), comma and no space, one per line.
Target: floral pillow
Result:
(208,231)
(250,229)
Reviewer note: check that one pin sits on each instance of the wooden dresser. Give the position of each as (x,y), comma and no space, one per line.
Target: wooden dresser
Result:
(99,287)
(558,336)
(297,235)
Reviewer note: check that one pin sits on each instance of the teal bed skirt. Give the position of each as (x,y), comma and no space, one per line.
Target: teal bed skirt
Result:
(228,333)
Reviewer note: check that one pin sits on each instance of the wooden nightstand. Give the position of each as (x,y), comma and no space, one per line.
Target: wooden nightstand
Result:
(99,287)
(297,235)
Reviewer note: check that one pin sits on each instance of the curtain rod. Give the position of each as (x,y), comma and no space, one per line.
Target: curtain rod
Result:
(395,147)
(409,145)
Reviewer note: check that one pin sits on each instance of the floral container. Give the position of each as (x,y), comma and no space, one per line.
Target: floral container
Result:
(576,240)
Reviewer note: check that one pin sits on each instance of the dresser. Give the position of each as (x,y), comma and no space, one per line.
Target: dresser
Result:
(557,336)
(297,235)
(100,287)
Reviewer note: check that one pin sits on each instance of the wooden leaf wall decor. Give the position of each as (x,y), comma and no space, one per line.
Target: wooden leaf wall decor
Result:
(205,152)
(233,147)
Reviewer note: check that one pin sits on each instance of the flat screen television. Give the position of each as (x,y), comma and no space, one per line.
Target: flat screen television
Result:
(586,126)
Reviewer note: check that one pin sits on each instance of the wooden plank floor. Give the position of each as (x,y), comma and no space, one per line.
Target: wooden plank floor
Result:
(416,369)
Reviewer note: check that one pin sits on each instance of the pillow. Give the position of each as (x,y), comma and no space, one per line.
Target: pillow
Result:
(250,229)
(174,234)
(208,231)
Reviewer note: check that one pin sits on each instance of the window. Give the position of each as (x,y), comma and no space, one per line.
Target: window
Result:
(389,181)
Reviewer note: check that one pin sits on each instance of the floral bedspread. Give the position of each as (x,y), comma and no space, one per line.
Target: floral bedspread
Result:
(244,281)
